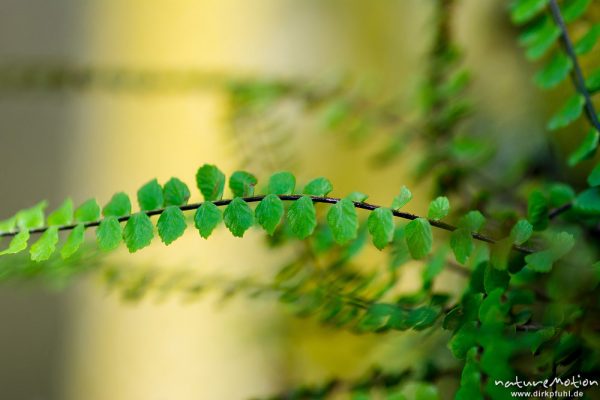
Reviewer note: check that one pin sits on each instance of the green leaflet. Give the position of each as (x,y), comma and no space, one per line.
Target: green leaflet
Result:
(242,184)
(540,337)
(331,310)
(524,10)
(455,84)
(473,221)
(592,82)
(63,215)
(381,316)
(439,208)
(492,308)
(302,217)
(358,197)
(587,149)
(109,233)
(537,210)
(470,381)
(588,202)
(463,340)
(574,9)
(343,221)
(150,196)
(118,206)
(569,113)
(534,32)
(206,218)
(211,182)
(422,317)
(8,225)
(402,199)
(45,246)
(74,241)
(521,232)
(381,226)
(555,71)
(588,41)
(560,194)
(175,193)
(568,342)
(335,114)
(269,212)
(461,243)
(542,39)
(17,244)
(138,231)
(171,224)
(494,278)
(33,217)
(376,317)
(594,177)
(318,187)
(560,245)
(419,238)
(89,211)
(238,217)
(282,183)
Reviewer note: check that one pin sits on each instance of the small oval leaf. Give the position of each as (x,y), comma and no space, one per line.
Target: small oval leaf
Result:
(171,224)
(109,233)
(176,193)
(74,241)
(118,206)
(302,217)
(238,217)
(381,226)
(62,215)
(318,187)
(211,182)
(282,183)
(89,211)
(343,221)
(419,238)
(17,244)
(439,208)
(45,246)
(269,213)
(138,232)
(242,184)
(150,196)
(207,217)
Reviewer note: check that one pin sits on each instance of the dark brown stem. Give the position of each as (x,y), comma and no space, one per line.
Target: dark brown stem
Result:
(577,74)
(555,212)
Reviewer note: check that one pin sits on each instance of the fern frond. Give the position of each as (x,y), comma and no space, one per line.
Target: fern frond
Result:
(169,203)
(546,30)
